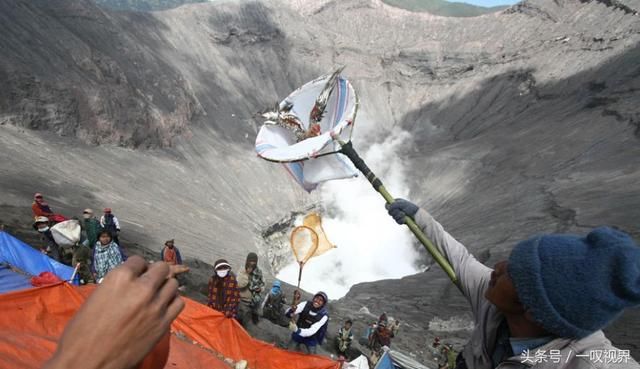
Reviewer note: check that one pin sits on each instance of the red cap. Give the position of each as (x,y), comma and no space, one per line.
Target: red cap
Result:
(107,210)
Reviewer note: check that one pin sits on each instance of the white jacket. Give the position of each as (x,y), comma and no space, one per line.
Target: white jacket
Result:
(315,327)
(115,222)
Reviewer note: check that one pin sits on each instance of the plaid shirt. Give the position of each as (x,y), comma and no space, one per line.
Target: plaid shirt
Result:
(230,293)
(106,258)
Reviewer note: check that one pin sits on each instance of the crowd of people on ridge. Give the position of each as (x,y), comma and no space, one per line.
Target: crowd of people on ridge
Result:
(98,250)
(237,296)
(241,297)
(518,306)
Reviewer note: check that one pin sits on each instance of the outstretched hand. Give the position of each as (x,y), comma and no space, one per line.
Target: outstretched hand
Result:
(401,208)
(124,318)
(176,269)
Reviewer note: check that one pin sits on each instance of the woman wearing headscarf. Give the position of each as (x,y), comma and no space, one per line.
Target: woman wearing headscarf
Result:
(224,294)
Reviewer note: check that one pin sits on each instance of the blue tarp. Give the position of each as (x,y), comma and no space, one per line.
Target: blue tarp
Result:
(22,256)
(11,281)
(385,362)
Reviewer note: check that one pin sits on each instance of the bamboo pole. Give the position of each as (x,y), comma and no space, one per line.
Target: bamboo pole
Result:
(350,152)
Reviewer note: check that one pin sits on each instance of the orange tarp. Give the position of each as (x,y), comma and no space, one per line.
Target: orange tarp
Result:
(32,321)
(212,330)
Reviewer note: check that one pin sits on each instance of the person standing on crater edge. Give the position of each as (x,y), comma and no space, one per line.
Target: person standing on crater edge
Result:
(344,339)
(170,253)
(553,295)
(107,255)
(41,224)
(91,227)
(380,337)
(224,294)
(109,222)
(250,283)
(273,305)
(311,325)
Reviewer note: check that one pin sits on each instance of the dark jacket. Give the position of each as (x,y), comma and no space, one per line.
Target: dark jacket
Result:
(91,228)
(312,324)
(52,247)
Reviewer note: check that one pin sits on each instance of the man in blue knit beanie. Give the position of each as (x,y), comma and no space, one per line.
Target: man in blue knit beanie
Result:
(546,306)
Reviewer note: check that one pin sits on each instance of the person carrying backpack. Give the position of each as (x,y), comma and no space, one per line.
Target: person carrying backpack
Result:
(42,225)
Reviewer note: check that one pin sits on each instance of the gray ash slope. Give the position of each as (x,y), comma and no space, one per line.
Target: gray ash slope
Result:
(521,122)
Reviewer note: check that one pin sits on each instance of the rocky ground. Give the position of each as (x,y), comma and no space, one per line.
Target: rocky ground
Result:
(520,122)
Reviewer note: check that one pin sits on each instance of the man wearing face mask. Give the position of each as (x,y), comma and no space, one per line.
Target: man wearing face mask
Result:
(224,294)
(52,249)
(311,325)
(546,305)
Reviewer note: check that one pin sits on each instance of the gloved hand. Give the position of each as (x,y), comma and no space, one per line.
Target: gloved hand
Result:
(401,208)
(293,327)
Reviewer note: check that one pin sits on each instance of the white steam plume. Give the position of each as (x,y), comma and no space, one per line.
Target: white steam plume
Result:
(371,246)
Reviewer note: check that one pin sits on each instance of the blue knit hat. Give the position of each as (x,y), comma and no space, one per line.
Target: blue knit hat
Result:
(574,286)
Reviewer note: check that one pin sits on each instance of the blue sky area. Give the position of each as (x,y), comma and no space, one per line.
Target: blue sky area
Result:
(486,3)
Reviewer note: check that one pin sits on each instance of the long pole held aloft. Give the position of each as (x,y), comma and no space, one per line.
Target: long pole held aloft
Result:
(300,264)
(350,152)
(296,293)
